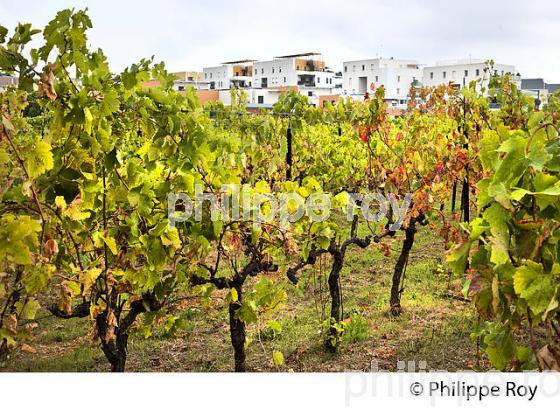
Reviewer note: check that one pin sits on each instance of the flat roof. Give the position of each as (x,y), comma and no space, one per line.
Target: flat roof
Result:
(382,59)
(239,61)
(300,55)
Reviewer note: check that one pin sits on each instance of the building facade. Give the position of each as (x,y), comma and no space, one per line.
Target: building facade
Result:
(462,72)
(396,76)
(231,74)
(305,73)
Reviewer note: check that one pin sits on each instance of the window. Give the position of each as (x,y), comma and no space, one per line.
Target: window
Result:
(310,93)
(353,68)
(432,75)
(284,79)
(181,88)
(398,78)
(376,78)
(444,74)
(363,67)
(318,80)
(477,72)
(272,70)
(205,75)
(372,66)
(502,73)
(210,75)
(345,68)
(262,70)
(260,99)
(398,90)
(279,69)
(466,73)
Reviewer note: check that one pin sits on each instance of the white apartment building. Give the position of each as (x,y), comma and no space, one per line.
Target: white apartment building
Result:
(306,73)
(230,74)
(184,79)
(396,76)
(338,83)
(462,72)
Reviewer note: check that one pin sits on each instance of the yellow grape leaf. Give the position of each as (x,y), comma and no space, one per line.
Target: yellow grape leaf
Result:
(278,358)
(111,244)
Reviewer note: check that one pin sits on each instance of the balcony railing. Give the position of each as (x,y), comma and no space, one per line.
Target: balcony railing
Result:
(306,83)
(306,80)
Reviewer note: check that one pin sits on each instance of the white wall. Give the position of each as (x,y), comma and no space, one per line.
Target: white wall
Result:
(278,72)
(269,97)
(281,72)
(395,75)
(461,72)
(220,76)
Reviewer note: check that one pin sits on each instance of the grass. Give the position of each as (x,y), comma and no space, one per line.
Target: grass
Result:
(433,328)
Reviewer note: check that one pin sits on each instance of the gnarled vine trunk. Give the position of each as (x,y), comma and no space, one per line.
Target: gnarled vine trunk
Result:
(336,298)
(237,332)
(395,301)
(111,328)
(114,347)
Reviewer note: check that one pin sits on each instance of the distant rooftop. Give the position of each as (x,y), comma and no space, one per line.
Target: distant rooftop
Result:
(532,84)
(239,61)
(382,59)
(461,61)
(538,84)
(552,87)
(300,55)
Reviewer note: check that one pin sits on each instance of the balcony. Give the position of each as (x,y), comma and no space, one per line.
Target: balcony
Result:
(309,65)
(306,80)
(240,83)
(242,71)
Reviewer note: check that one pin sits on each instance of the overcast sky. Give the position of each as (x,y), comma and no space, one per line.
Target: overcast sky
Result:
(193,34)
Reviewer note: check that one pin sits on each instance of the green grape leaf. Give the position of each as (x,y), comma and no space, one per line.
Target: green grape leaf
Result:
(534,286)
(39,159)
(29,310)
